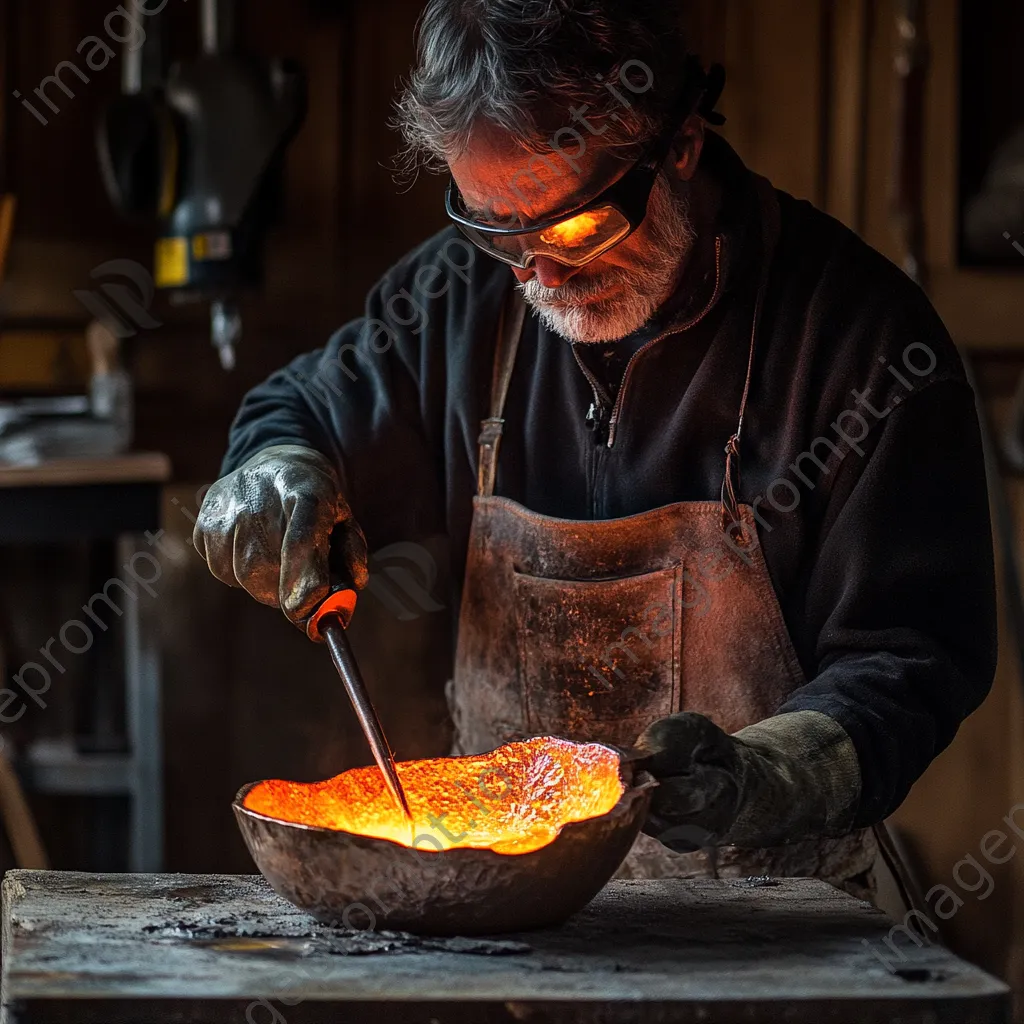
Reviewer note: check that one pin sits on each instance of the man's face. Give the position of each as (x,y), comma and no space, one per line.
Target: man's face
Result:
(617,293)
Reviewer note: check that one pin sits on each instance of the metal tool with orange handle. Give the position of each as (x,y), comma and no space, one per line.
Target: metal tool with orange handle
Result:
(329,622)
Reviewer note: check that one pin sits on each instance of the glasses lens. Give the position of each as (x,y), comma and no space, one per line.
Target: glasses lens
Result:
(582,238)
(574,241)
(492,245)
(578,232)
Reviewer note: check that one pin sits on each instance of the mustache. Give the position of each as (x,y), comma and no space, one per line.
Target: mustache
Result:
(573,291)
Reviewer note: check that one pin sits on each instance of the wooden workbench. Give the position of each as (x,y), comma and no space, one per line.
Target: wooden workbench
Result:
(106,949)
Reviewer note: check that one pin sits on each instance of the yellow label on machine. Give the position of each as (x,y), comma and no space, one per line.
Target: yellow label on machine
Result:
(171,262)
(212,245)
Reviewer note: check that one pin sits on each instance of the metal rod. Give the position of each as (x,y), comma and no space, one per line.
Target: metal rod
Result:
(208,27)
(142,713)
(217,26)
(911,65)
(142,63)
(333,632)
(131,69)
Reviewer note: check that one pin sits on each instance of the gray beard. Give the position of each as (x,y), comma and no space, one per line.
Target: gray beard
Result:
(644,288)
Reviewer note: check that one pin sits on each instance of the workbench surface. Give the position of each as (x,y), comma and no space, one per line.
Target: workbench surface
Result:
(114,948)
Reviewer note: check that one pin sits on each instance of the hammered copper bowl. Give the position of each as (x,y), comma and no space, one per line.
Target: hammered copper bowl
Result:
(362,881)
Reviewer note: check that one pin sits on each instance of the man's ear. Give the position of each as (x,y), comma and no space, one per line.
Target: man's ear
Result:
(688,146)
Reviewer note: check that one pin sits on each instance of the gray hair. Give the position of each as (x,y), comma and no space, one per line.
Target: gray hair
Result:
(523,65)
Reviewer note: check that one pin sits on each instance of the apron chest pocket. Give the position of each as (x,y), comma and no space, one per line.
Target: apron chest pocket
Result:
(598,659)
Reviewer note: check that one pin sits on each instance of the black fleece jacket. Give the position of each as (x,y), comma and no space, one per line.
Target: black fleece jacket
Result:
(860,452)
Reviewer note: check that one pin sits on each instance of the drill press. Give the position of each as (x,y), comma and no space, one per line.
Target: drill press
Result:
(199,150)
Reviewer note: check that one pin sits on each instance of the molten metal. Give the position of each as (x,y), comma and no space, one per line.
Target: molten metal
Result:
(511,800)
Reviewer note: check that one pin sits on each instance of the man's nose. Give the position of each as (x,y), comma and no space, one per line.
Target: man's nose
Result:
(549,272)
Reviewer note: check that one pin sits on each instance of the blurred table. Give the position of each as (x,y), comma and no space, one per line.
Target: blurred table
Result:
(82,499)
(108,949)
(110,503)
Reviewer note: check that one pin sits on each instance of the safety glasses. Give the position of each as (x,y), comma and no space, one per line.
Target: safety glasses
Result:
(580,235)
(572,238)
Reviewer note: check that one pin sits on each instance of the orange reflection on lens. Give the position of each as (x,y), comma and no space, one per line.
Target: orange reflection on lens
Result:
(576,230)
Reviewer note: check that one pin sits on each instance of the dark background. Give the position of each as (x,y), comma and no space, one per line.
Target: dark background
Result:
(811,104)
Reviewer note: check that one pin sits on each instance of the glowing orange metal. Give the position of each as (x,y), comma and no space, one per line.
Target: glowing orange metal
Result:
(576,229)
(511,800)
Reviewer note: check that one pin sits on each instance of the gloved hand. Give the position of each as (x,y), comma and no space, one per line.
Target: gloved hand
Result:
(267,527)
(791,777)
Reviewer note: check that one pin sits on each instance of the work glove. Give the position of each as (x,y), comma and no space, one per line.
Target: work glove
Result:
(267,527)
(791,777)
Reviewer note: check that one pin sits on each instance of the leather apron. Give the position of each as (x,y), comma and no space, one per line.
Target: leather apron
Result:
(593,629)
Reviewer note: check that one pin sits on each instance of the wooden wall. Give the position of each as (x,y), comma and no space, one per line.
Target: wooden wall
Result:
(810,102)
(345,220)
(246,694)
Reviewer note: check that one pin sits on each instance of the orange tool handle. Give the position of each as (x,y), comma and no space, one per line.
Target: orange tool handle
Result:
(341,601)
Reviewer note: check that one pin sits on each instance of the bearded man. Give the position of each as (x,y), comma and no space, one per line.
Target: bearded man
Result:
(568,382)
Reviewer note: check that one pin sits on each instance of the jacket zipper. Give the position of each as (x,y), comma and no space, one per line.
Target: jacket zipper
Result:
(598,420)
(613,422)
(597,423)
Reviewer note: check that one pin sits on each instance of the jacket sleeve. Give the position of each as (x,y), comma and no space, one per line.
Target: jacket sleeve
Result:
(373,402)
(901,596)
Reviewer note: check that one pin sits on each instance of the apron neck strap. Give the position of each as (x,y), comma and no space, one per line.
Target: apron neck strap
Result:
(770,228)
(510,330)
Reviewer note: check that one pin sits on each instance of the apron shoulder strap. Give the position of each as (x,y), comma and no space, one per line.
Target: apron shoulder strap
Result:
(770,230)
(510,329)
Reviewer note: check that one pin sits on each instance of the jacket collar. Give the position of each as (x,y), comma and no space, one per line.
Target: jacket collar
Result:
(736,225)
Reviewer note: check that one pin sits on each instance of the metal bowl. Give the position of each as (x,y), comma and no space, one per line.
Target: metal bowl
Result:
(363,882)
